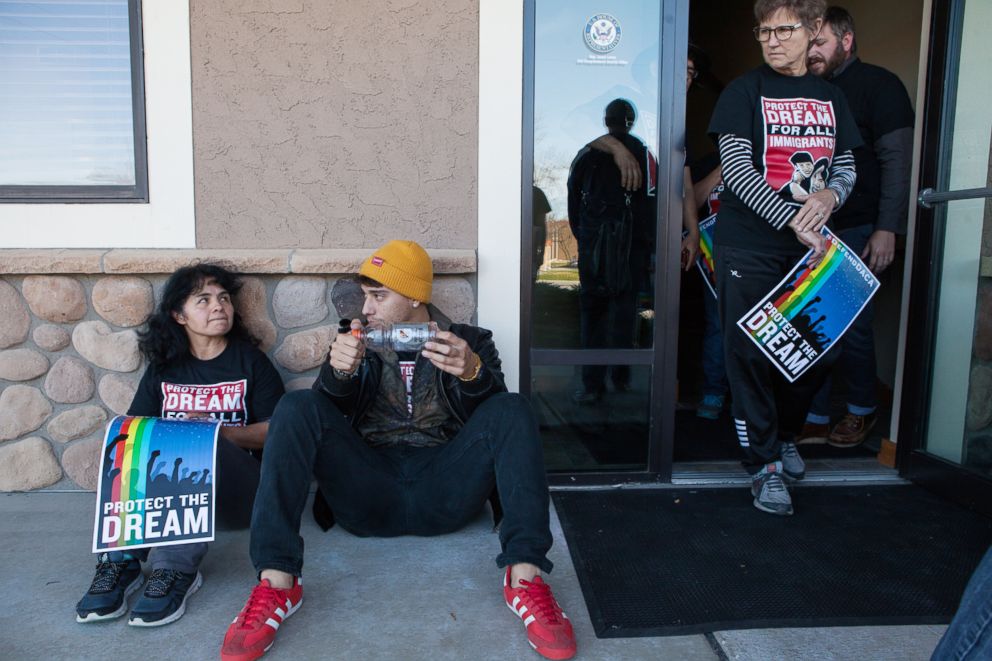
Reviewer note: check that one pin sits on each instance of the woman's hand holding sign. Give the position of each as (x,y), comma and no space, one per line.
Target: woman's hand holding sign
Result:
(815,212)
(813,240)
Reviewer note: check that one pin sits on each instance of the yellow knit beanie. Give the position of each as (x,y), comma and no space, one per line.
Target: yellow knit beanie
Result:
(404,267)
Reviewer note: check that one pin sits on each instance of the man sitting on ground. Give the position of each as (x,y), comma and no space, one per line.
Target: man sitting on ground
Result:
(403,444)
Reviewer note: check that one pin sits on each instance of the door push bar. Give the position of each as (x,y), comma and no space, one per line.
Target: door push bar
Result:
(929,197)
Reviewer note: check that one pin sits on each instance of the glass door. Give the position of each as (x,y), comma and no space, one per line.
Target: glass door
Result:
(946,425)
(603,125)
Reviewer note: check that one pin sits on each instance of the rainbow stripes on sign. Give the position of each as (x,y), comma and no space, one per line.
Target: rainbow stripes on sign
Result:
(706,250)
(130,455)
(808,283)
(705,261)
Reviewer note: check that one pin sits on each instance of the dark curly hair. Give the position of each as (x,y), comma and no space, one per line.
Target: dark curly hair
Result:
(163,340)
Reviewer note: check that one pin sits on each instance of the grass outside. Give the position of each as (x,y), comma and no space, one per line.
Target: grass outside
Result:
(559,275)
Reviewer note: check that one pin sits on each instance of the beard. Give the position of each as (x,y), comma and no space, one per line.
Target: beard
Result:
(831,63)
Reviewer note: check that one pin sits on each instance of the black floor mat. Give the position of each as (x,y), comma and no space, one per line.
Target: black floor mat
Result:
(659,562)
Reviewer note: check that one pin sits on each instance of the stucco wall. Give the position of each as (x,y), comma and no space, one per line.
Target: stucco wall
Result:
(335,124)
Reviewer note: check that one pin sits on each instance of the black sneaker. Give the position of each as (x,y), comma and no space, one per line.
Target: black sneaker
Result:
(112,584)
(165,596)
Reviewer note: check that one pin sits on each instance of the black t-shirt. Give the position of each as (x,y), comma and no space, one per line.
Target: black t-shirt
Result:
(880,105)
(239,387)
(701,169)
(796,125)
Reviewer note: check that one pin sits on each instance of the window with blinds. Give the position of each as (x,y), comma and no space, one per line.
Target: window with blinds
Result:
(71,101)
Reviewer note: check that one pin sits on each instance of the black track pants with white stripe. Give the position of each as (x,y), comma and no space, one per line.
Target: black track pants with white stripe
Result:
(767,408)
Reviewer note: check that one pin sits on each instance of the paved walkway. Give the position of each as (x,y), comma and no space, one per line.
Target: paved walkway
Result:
(378,599)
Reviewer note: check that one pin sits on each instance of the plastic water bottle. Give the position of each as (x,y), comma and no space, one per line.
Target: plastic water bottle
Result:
(395,337)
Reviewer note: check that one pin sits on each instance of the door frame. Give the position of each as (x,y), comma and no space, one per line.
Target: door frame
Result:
(943,477)
(663,356)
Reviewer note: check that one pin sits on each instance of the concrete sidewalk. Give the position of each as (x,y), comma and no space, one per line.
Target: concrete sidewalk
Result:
(404,598)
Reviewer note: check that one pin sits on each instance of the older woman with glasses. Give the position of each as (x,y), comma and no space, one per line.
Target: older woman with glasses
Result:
(772,124)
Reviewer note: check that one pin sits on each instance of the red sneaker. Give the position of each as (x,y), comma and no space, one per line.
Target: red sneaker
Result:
(254,629)
(548,629)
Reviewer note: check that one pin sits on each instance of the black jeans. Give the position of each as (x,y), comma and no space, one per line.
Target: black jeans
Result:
(386,492)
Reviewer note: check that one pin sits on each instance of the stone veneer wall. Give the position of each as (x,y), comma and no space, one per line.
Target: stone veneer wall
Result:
(69,358)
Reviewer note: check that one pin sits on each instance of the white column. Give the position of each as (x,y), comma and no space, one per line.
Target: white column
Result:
(500,98)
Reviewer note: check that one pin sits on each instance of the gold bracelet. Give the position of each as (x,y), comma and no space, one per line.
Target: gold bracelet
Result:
(475,372)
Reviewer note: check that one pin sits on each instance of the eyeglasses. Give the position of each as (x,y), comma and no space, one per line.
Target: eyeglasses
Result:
(691,74)
(782,32)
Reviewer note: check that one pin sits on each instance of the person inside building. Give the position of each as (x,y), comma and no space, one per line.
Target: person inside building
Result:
(403,443)
(871,219)
(193,338)
(760,121)
(707,187)
(707,184)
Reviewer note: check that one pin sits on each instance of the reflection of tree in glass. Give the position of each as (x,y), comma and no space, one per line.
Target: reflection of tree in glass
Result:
(550,164)
(562,241)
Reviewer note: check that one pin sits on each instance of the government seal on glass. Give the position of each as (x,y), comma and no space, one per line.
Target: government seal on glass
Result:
(602,33)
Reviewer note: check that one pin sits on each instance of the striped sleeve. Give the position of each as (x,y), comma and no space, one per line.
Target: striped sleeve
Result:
(842,176)
(744,180)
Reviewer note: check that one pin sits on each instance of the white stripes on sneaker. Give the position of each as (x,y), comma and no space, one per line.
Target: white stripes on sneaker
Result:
(281,614)
(521,611)
(742,433)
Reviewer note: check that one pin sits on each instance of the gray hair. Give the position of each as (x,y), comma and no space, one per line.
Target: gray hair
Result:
(807,11)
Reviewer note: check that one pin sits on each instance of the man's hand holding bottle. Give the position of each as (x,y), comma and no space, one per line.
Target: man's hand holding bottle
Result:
(348,349)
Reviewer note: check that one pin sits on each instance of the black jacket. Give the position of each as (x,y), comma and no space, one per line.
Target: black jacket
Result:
(354,396)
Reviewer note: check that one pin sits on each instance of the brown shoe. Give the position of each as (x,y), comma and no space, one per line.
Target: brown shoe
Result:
(852,430)
(813,434)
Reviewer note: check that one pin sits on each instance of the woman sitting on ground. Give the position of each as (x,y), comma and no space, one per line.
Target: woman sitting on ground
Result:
(194,338)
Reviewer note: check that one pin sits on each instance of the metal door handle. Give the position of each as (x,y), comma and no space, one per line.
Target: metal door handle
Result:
(929,197)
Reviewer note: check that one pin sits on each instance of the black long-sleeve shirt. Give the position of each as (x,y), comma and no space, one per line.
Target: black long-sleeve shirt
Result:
(781,138)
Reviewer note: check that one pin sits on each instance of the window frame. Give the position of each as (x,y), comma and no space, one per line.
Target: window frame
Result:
(134,194)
